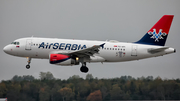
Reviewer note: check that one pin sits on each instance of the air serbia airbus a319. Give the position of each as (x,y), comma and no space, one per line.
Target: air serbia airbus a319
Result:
(72,52)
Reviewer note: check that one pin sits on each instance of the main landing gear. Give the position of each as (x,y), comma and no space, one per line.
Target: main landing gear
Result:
(83,68)
(29,61)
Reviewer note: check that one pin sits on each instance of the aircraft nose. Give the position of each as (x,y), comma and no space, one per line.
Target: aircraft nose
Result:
(7,49)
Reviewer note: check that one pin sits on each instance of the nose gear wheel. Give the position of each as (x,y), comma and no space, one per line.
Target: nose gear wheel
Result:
(29,61)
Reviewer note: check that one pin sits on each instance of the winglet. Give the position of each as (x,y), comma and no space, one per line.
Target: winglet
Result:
(102,45)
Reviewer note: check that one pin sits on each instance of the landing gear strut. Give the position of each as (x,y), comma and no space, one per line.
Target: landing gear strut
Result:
(83,68)
(29,61)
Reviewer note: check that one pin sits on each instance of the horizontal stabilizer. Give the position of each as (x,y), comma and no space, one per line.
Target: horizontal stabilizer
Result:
(156,50)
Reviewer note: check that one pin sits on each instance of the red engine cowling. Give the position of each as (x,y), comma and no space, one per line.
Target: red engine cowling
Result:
(60,59)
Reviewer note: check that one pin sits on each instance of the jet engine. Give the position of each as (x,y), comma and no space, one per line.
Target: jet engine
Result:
(61,59)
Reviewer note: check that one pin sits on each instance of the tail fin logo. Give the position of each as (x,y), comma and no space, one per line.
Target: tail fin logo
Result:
(157,36)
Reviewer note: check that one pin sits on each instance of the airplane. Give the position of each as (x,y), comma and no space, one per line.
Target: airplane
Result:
(68,52)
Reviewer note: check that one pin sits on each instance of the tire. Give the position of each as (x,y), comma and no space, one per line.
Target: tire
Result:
(27,66)
(84,69)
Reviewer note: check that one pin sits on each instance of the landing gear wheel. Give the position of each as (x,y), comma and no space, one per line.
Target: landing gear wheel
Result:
(27,66)
(84,69)
(29,61)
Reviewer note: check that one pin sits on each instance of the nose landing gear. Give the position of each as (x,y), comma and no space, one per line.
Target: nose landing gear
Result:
(29,61)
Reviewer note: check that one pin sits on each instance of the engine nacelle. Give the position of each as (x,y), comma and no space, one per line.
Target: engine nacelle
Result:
(60,59)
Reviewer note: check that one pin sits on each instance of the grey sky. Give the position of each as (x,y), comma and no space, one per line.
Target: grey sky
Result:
(122,20)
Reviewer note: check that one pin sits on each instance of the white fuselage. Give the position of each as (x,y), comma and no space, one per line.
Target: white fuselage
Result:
(112,51)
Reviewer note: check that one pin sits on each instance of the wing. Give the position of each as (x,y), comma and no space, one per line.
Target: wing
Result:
(85,52)
(156,50)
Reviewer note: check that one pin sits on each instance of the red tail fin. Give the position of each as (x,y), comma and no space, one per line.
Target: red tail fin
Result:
(157,35)
(164,23)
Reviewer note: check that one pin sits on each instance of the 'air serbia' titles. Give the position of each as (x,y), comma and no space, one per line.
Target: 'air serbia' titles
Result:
(62,46)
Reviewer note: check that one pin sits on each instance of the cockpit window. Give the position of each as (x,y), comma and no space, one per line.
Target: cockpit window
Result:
(15,43)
